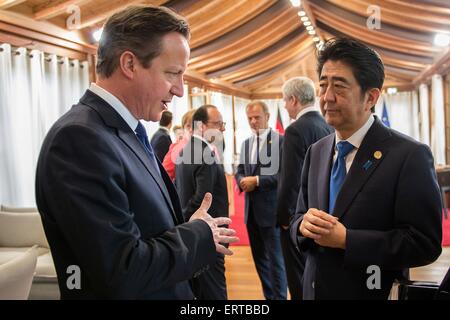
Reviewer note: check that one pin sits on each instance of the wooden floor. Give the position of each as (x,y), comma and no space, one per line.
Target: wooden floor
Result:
(243,282)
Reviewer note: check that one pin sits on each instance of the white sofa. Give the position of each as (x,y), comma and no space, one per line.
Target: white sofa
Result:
(16,275)
(21,229)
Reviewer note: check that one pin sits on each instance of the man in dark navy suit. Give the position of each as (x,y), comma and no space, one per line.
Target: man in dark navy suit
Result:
(161,140)
(369,206)
(257,176)
(299,95)
(107,204)
(199,170)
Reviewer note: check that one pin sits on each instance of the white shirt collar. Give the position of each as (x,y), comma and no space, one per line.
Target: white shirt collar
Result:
(165,129)
(263,134)
(306,110)
(114,102)
(357,138)
(203,139)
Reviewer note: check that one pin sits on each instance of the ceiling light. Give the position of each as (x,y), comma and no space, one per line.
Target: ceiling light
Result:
(442,40)
(316,39)
(97,34)
(311,32)
(391,90)
(307,23)
(309,28)
(301,13)
(305,18)
(296,3)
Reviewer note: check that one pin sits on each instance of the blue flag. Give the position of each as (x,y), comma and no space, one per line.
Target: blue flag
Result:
(385,117)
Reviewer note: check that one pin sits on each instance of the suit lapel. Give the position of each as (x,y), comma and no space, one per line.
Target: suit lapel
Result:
(370,154)
(323,174)
(127,135)
(129,138)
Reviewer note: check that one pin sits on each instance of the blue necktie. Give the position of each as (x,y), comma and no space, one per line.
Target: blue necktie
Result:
(142,136)
(338,172)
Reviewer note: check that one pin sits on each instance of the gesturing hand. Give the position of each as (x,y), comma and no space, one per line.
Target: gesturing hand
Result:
(220,234)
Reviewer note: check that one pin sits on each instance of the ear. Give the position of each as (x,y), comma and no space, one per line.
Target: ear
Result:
(371,98)
(127,64)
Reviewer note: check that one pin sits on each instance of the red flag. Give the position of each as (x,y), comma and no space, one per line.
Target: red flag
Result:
(279,125)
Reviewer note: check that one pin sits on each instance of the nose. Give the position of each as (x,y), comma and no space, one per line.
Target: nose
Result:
(178,88)
(329,94)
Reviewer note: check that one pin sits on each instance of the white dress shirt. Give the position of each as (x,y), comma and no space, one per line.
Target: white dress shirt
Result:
(356,140)
(306,110)
(116,104)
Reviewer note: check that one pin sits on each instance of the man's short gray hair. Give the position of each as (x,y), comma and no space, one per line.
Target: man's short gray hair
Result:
(302,88)
(258,103)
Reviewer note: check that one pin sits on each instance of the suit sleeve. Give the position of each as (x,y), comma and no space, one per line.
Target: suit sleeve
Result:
(294,150)
(205,179)
(88,189)
(416,236)
(240,173)
(269,181)
(301,243)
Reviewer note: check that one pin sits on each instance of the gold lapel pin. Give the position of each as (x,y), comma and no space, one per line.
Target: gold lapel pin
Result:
(377,155)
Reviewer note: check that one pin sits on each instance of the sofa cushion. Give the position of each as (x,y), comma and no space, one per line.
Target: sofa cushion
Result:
(21,230)
(44,267)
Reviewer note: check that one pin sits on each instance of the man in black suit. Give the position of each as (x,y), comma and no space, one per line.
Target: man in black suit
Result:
(107,205)
(309,126)
(161,140)
(199,171)
(369,206)
(257,176)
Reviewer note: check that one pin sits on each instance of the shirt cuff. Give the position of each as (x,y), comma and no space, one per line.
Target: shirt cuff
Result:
(257,181)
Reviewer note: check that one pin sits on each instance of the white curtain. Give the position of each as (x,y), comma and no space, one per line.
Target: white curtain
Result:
(178,107)
(403,114)
(224,104)
(438,123)
(243,130)
(424,114)
(35,90)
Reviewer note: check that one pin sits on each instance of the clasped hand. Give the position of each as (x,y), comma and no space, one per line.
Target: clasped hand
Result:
(323,228)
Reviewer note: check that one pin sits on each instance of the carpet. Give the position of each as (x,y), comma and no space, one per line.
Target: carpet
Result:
(238,222)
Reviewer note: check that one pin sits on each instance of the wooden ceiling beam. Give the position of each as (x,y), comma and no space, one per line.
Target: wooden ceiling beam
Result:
(226,16)
(281,45)
(294,50)
(280,8)
(54,8)
(249,44)
(109,9)
(395,13)
(5,4)
(261,79)
(375,38)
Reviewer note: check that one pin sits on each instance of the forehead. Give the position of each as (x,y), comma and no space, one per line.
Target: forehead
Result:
(213,114)
(174,49)
(255,109)
(338,69)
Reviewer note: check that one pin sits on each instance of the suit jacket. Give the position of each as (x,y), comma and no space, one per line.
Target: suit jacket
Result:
(161,142)
(264,198)
(198,171)
(106,210)
(298,136)
(390,206)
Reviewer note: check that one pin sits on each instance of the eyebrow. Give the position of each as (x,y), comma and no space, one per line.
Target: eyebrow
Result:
(335,79)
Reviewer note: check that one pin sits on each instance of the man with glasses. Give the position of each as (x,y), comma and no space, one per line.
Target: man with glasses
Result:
(199,171)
